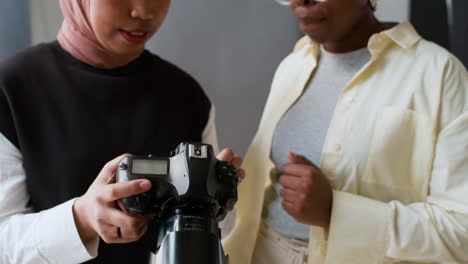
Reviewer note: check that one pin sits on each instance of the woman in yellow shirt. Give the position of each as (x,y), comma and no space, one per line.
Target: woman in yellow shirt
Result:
(391,184)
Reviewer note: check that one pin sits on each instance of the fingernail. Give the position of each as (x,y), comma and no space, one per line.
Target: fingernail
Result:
(145,185)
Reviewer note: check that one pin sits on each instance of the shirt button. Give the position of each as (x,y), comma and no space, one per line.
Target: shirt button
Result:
(338,147)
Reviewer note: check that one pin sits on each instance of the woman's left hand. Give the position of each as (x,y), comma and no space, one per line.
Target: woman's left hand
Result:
(228,155)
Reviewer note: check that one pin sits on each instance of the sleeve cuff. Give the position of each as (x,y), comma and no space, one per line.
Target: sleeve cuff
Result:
(58,239)
(358,230)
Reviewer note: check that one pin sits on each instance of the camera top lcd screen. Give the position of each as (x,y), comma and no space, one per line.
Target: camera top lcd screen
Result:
(146,166)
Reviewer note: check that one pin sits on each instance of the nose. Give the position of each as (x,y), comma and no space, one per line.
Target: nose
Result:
(301,2)
(143,9)
(306,2)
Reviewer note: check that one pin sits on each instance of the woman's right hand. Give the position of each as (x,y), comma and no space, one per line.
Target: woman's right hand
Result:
(96,214)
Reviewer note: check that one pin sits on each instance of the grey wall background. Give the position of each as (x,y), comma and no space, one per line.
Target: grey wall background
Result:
(14,26)
(393,10)
(232,48)
(46,19)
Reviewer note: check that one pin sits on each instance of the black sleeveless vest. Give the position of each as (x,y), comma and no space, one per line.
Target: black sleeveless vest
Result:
(68,119)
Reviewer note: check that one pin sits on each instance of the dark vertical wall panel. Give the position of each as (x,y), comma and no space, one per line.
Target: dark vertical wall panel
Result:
(14,27)
(459,29)
(430,19)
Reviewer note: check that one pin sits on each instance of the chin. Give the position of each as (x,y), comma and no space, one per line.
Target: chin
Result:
(317,38)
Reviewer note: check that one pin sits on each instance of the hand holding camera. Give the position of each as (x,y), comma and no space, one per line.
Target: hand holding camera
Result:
(192,191)
(228,155)
(96,215)
(95,212)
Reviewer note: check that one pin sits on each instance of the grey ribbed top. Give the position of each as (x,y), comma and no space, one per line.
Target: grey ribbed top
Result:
(304,127)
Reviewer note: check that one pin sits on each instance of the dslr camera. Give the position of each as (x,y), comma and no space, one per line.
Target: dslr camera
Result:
(191,192)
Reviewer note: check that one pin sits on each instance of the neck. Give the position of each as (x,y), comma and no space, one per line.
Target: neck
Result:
(358,36)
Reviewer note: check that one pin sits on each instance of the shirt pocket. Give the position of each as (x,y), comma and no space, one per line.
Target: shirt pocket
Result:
(400,154)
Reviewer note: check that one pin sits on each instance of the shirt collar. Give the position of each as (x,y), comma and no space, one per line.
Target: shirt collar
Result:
(403,34)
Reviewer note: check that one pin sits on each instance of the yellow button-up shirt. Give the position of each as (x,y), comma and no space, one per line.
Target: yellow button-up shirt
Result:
(396,155)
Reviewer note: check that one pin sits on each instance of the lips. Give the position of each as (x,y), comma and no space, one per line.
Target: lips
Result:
(311,20)
(135,36)
(312,24)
